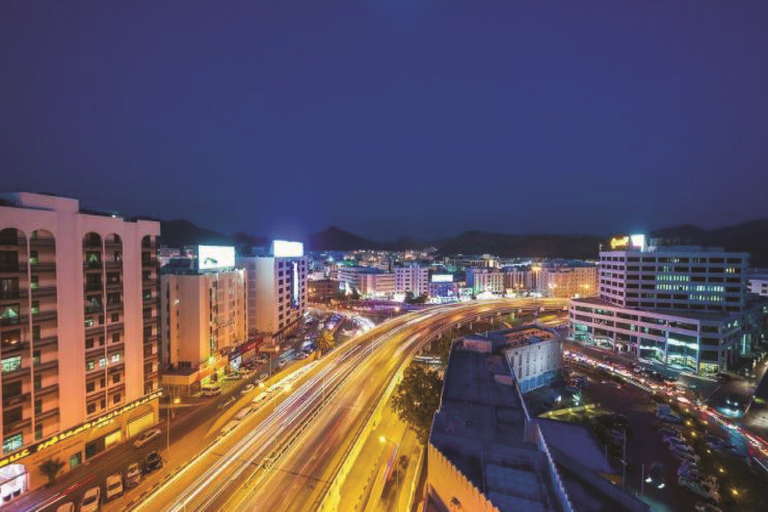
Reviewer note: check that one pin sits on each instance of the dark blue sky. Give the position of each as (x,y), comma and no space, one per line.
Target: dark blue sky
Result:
(387,117)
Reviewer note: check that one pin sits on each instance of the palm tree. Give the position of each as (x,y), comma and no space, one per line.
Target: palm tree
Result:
(51,468)
(325,343)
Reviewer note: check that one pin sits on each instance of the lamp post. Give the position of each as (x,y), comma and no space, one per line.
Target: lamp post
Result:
(173,401)
(384,440)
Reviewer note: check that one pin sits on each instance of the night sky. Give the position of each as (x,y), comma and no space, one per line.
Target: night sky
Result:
(391,117)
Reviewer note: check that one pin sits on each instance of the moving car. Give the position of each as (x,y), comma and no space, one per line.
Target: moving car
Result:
(226,403)
(133,475)
(90,501)
(656,475)
(146,437)
(66,507)
(706,507)
(114,486)
(211,390)
(153,462)
(247,389)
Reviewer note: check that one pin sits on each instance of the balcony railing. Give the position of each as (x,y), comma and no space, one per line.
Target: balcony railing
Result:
(48,365)
(16,400)
(50,413)
(12,268)
(47,390)
(44,267)
(12,294)
(45,291)
(45,341)
(16,425)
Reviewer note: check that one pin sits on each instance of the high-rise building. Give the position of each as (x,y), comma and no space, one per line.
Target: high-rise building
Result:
(277,291)
(78,321)
(203,318)
(412,278)
(684,306)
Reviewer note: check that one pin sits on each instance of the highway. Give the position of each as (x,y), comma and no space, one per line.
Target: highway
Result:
(284,455)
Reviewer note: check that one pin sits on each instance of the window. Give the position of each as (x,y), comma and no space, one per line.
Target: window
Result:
(116,357)
(9,288)
(13,443)
(35,357)
(35,307)
(102,362)
(12,389)
(35,332)
(11,364)
(116,398)
(115,378)
(33,258)
(34,282)
(38,406)
(90,387)
(88,343)
(89,365)
(9,314)
(115,317)
(38,382)
(38,431)
(89,322)
(11,338)
(91,408)
(9,261)
(11,416)
(116,337)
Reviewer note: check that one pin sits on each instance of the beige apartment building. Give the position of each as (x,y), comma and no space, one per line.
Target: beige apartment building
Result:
(569,281)
(203,317)
(78,323)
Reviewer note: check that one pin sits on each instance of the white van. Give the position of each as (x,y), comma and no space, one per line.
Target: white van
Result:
(211,390)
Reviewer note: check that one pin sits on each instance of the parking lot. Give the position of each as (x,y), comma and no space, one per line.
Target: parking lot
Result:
(739,487)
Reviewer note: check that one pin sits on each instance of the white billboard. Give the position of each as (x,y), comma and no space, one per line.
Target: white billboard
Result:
(442,278)
(284,249)
(215,256)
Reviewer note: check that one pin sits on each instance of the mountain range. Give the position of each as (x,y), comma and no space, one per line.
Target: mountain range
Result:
(751,237)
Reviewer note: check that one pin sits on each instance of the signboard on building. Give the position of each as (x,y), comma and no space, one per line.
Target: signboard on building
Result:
(284,249)
(210,257)
(442,278)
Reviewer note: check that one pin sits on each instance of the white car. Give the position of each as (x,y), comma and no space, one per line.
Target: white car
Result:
(114,486)
(146,437)
(133,475)
(91,498)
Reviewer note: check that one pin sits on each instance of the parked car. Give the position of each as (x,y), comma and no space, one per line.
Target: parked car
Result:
(704,491)
(706,507)
(132,475)
(152,462)
(114,486)
(247,389)
(146,437)
(656,475)
(66,507)
(211,390)
(226,403)
(91,500)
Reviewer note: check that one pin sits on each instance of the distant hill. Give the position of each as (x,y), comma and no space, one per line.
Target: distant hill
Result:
(751,237)
(178,233)
(539,246)
(336,239)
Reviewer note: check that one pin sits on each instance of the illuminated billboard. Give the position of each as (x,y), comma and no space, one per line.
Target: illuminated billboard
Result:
(628,241)
(442,278)
(284,249)
(296,288)
(211,257)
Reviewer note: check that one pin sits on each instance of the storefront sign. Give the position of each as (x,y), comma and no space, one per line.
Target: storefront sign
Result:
(97,423)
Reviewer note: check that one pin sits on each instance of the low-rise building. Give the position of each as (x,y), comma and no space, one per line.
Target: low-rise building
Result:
(367,281)
(413,278)
(486,453)
(758,283)
(322,290)
(482,280)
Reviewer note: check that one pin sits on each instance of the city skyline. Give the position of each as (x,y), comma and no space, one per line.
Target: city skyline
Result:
(392,118)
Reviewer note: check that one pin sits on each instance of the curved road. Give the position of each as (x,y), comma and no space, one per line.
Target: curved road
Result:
(283,455)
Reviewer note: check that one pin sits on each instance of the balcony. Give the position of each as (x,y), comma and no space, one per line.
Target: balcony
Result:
(46,291)
(115,306)
(93,265)
(150,375)
(94,349)
(149,320)
(116,327)
(50,413)
(16,400)
(94,287)
(46,366)
(114,285)
(13,241)
(117,367)
(16,425)
(47,390)
(22,371)
(10,349)
(93,309)
(44,267)
(12,294)
(114,265)
(44,342)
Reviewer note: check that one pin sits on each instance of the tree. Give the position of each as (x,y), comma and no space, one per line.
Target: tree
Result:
(444,347)
(325,343)
(416,399)
(51,468)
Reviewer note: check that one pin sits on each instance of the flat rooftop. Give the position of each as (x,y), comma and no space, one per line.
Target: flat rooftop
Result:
(480,429)
(693,315)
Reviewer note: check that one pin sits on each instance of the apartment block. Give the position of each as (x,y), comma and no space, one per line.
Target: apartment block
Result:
(203,318)
(413,278)
(78,321)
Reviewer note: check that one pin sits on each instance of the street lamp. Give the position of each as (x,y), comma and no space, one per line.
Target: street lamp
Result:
(384,440)
(171,403)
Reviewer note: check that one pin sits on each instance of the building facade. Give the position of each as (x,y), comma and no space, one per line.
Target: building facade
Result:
(367,281)
(482,280)
(412,278)
(79,333)
(758,284)
(203,318)
(568,281)
(686,307)
(277,292)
